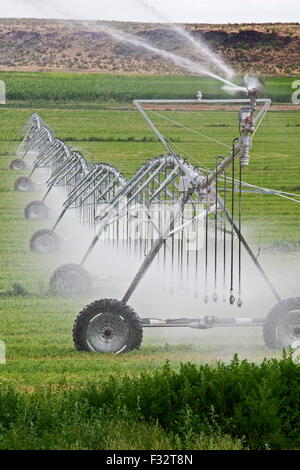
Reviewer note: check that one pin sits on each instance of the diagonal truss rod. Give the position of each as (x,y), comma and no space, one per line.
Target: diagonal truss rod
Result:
(204,182)
(168,227)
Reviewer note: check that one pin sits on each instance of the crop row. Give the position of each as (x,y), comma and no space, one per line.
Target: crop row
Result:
(53,88)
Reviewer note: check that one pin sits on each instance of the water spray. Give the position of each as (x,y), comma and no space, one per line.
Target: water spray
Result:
(185,63)
(197,44)
(121,36)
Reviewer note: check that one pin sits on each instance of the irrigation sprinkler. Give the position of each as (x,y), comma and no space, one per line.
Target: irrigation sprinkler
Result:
(111,325)
(147,216)
(137,212)
(29,130)
(38,143)
(60,160)
(88,186)
(30,127)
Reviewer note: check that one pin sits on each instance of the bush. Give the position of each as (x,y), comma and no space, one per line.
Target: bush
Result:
(237,405)
(258,403)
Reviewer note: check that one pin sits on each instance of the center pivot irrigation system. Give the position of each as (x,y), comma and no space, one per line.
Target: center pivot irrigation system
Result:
(170,213)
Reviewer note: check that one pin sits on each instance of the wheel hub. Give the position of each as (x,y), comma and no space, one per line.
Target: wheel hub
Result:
(35,213)
(69,282)
(44,243)
(107,332)
(289,328)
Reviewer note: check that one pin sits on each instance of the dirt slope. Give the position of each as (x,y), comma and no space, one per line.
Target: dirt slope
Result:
(62,45)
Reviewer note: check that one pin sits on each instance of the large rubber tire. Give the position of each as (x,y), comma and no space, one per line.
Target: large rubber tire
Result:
(44,241)
(108,326)
(282,327)
(70,279)
(36,210)
(24,183)
(17,164)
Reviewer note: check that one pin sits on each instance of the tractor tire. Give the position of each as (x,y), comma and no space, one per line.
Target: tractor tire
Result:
(44,241)
(23,183)
(282,327)
(17,164)
(36,210)
(107,326)
(70,279)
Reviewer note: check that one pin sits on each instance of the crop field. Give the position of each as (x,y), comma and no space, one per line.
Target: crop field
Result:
(42,364)
(67,90)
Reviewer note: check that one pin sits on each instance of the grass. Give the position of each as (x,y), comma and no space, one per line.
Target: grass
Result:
(37,328)
(110,433)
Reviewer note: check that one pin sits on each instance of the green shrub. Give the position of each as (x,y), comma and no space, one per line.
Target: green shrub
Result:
(243,404)
(258,403)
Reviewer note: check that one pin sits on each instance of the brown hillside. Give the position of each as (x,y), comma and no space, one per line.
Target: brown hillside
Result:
(62,45)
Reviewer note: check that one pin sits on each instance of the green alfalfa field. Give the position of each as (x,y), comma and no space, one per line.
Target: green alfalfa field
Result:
(55,397)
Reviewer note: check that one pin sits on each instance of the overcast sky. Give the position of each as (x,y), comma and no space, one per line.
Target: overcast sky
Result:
(198,11)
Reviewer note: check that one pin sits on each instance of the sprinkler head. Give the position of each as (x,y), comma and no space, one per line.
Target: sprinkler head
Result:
(252,92)
(245,144)
(239,302)
(215,297)
(231,299)
(203,195)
